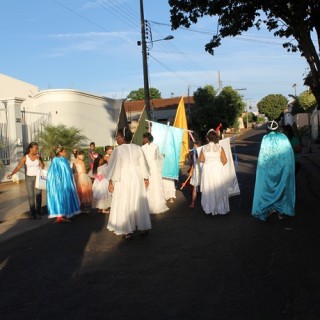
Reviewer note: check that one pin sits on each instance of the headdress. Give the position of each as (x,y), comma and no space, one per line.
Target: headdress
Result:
(272,125)
(58,149)
(211,130)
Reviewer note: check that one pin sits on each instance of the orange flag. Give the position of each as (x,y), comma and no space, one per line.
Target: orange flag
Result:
(180,121)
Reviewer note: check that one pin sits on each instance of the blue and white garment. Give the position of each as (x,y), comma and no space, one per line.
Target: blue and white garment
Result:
(275,178)
(169,140)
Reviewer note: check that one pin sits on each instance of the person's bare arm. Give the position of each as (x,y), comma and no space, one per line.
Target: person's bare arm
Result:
(18,167)
(201,156)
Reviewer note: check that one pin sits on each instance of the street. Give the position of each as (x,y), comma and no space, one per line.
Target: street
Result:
(189,266)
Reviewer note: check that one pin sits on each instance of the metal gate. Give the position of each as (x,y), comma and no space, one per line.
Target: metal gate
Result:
(32,124)
(4,138)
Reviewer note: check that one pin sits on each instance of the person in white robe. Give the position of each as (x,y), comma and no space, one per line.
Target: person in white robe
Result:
(128,175)
(214,187)
(155,191)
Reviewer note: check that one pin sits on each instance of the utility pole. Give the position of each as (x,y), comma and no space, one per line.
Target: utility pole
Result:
(145,62)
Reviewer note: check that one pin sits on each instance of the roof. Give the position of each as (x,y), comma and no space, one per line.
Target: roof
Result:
(166,103)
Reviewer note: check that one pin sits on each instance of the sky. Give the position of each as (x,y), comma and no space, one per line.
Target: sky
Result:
(91,46)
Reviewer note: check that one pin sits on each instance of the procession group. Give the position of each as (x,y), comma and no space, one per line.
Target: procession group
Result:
(127,183)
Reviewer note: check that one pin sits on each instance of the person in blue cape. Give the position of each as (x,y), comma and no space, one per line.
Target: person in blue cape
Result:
(274,190)
(62,198)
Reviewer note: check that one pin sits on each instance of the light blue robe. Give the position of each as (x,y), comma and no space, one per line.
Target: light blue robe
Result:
(275,178)
(62,197)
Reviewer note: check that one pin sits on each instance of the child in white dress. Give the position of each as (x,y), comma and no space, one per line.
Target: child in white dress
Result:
(101,197)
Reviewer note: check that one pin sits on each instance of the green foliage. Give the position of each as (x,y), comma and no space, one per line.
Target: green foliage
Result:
(50,136)
(211,109)
(307,101)
(294,19)
(139,94)
(272,105)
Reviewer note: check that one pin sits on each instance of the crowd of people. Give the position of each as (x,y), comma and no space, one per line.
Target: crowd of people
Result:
(126,181)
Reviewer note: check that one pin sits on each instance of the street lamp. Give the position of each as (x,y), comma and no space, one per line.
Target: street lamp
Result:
(143,43)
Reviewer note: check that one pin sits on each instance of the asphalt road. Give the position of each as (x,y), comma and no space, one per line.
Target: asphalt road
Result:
(190,266)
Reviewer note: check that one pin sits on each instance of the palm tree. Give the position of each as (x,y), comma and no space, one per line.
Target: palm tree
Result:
(50,136)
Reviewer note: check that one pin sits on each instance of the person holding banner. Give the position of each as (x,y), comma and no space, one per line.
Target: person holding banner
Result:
(195,172)
(33,164)
(155,192)
(128,175)
(214,187)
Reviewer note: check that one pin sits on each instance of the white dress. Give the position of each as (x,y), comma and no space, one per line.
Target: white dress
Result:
(155,191)
(101,197)
(215,199)
(169,187)
(129,208)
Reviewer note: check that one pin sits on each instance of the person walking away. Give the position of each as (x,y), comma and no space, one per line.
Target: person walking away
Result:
(128,176)
(62,198)
(155,192)
(195,172)
(83,182)
(33,163)
(274,190)
(214,188)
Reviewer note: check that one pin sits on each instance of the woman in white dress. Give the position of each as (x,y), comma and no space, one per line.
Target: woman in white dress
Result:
(128,176)
(155,191)
(215,199)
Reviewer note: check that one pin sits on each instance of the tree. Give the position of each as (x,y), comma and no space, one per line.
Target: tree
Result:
(229,106)
(50,136)
(307,101)
(139,94)
(202,114)
(272,105)
(211,109)
(295,19)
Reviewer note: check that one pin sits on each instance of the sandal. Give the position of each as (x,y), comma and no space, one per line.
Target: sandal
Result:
(127,236)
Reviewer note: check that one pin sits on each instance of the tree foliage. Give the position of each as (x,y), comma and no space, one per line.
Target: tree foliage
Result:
(305,102)
(211,109)
(272,105)
(50,136)
(139,94)
(293,20)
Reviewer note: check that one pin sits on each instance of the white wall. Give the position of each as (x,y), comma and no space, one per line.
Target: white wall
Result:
(11,87)
(95,116)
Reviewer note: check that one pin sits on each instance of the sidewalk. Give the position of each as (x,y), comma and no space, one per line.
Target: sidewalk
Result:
(14,210)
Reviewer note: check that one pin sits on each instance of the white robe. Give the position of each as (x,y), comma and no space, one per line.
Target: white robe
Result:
(129,209)
(155,191)
(214,187)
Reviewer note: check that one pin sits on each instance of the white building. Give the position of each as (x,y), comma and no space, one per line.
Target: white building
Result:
(24,108)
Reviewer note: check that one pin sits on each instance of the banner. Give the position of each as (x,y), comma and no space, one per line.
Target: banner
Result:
(169,141)
(229,169)
(180,121)
(141,128)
